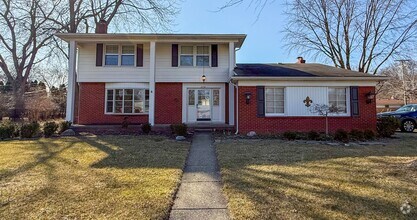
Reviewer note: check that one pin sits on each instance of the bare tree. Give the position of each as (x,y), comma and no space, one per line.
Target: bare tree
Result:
(402,83)
(352,34)
(26,31)
(324,110)
(360,34)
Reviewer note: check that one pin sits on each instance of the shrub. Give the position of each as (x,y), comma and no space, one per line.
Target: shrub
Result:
(387,126)
(290,135)
(65,125)
(7,130)
(30,130)
(125,122)
(313,135)
(179,129)
(146,128)
(341,135)
(356,135)
(50,128)
(369,134)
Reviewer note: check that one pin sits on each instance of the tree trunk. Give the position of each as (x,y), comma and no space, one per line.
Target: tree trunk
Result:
(18,98)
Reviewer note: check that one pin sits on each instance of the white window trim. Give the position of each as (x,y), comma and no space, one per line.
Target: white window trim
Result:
(285,102)
(194,55)
(347,114)
(114,99)
(119,55)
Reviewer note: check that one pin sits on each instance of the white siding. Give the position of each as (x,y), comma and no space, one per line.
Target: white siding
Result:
(296,96)
(89,72)
(166,73)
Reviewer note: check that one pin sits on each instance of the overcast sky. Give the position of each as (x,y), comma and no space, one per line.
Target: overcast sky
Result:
(264,43)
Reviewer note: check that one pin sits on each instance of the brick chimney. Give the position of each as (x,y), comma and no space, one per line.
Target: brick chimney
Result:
(101,27)
(301,60)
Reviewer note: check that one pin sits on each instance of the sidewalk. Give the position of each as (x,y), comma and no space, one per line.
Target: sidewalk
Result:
(200,193)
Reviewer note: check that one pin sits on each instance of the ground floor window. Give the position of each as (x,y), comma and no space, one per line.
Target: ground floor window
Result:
(127,101)
(274,100)
(337,98)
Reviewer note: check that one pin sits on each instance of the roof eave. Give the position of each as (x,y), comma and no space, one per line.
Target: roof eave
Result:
(312,78)
(82,37)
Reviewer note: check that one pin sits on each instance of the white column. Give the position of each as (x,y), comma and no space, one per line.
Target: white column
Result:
(71,81)
(152,83)
(232,64)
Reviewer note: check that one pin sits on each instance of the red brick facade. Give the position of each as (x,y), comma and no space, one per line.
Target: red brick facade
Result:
(248,120)
(90,109)
(168,103)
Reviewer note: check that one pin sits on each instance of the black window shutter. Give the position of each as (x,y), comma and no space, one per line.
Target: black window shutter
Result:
(99,55)
(260,97)
(139,55)
(214,59)
(174,55)
(354,100)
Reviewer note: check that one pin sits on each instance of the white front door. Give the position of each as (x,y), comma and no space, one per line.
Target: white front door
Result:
(203,104)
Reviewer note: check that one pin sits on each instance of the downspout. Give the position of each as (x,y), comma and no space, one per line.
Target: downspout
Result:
(237,106)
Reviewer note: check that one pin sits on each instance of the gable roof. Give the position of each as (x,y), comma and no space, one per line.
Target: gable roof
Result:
(304,70)
(158,37)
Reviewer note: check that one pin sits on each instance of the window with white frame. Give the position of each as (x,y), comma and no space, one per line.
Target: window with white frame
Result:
(127,101)
(274,100)
(203,56)
(337,98)
(187,56)
(128,55)
(195,56)
(119,55)
(112,55)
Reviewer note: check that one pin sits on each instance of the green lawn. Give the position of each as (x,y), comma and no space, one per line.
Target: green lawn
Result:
(274,179)
(108,177)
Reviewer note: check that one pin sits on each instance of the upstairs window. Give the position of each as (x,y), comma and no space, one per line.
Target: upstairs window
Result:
(337,98)
(187,56)
(112,55)
(128,55)
(203,56)
(194,56)
(117,55)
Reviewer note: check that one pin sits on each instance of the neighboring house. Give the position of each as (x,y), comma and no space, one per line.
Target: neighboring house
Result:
(194,79)
(388,105)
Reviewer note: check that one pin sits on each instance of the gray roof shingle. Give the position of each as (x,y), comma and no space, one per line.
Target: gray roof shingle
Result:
(294,70)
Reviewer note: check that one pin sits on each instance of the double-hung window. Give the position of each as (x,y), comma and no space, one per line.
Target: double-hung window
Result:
(337,98)
(187,56)
(128,55)
(195,56)
(119,55)
(112,55)
(274,101)
(127,101)
(203,56)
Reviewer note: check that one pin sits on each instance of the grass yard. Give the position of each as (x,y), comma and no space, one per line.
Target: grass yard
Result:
(108,177)
(274,179)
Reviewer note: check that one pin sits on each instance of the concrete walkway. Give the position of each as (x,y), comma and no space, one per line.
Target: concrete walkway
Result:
(200,194)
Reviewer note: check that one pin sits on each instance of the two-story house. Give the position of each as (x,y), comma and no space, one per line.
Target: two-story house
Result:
(190,78)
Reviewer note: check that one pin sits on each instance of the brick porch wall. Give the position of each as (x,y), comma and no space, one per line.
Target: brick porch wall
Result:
(90,109)
(168,103)
(248,121)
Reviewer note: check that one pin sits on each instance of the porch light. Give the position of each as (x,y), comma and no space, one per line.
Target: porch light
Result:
(203,78)
(369,97)
(247,96)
